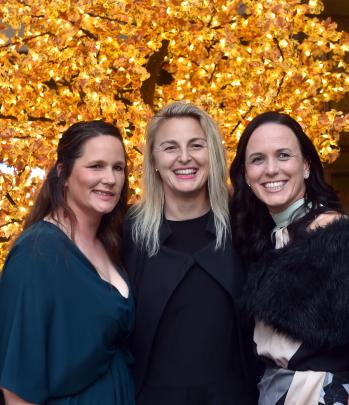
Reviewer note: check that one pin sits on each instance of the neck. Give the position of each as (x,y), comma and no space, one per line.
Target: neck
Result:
(85,229)
(188,207)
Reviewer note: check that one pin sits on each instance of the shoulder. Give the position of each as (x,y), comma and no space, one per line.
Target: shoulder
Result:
(40,238)
(326,219)
(42,231)
(303,282)
(38,247)
(328,233)
(321,250)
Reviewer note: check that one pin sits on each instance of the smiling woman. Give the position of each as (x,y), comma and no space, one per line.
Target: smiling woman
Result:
(181,160)
(275,170)
(188,341)
(65,304)
(97,179)
(288,223)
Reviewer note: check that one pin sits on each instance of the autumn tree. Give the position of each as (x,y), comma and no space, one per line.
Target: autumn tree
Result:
(121,60)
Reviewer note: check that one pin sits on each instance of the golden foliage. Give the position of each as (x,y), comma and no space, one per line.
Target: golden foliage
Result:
(120,60)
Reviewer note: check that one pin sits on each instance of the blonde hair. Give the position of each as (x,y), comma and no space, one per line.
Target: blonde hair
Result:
(148,214)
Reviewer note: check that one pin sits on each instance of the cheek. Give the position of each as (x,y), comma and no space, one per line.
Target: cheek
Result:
(252,174)
(163,163)
(121,177)
(156,162)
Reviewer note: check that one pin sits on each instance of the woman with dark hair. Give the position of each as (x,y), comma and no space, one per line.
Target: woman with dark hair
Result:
(289,225)
(65,305)
(188,343)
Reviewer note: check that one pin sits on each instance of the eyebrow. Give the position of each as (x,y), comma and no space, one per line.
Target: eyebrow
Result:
(173,141)
(277,151)
(118,162)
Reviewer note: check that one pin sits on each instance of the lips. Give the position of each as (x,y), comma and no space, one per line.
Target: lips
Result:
(185,172)
(104,193)
(274,185)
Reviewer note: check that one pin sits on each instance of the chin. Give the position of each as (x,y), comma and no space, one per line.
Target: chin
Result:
(104,211)
(275,206)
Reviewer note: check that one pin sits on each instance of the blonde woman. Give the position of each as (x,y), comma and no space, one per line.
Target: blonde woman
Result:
(185,273)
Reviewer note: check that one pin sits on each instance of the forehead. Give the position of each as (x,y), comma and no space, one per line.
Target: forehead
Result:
(102,147)
(271,136)
(179,129)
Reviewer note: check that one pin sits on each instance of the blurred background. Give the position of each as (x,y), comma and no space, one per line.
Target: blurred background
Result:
(337,173)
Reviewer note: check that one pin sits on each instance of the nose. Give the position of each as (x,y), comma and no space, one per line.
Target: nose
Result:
(272,166)
(184,155)
(109,176)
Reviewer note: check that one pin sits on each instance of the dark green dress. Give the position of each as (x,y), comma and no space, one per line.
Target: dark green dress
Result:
(62,328)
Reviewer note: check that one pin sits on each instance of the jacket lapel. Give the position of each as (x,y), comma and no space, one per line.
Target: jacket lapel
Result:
(160,276)
(224,266)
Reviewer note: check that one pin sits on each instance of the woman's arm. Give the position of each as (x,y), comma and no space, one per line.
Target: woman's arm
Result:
(13,399)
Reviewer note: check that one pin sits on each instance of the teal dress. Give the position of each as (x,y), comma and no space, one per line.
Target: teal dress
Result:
(63,329)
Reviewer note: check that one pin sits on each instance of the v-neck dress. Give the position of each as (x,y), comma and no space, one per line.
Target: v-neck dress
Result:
(63,329)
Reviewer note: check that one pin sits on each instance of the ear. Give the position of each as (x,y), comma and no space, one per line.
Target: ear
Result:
(59,169)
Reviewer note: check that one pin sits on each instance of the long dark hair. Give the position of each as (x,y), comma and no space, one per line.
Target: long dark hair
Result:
(50,199)
(251,221)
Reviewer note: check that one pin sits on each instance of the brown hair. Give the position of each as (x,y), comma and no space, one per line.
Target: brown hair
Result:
(50,199)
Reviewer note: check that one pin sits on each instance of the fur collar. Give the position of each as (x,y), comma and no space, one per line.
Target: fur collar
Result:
(302,290)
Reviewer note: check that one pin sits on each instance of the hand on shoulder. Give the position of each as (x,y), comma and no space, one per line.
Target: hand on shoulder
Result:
(325,219)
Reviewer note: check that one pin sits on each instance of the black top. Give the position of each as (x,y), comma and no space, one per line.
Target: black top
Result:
(189,345)
(198,321)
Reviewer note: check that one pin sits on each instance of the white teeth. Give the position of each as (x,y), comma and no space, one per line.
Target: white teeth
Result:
(185,171)
(274,184)
(103,193)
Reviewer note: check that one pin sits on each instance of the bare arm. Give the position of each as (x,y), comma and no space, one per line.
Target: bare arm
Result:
(13,399)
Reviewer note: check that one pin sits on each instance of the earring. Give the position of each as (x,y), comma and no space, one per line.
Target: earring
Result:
(156,170)
(306,174)
(249,184)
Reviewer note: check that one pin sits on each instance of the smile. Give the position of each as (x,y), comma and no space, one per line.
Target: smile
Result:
(104,193)
(185,172)
(275,185)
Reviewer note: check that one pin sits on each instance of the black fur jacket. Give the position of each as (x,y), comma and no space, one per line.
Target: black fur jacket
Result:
(302,290)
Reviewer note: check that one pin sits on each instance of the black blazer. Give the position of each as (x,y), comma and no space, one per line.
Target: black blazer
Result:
(155,278)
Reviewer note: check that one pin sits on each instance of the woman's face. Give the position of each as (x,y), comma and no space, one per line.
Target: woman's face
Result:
(96,181)
(181,157)
(274,166)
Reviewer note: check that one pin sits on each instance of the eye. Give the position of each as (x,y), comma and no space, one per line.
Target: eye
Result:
(119,168)
(95,166)
(170,148)
(197,146)
(284,156)
(257,160)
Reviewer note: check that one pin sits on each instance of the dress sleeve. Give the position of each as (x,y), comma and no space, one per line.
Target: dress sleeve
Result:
(25,302)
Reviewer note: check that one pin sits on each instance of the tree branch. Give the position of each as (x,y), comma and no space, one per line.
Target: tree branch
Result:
(153,67)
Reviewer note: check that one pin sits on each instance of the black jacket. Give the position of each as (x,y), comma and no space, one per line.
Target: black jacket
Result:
(154,280)
(302,290)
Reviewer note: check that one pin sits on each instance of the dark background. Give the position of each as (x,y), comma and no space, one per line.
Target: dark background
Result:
(337,173)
